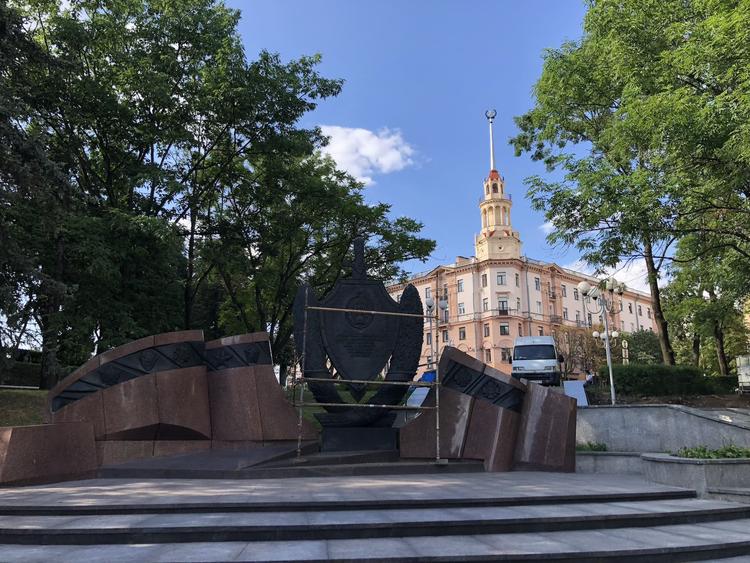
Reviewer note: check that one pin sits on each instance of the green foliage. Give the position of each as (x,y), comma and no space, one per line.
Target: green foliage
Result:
(659,380)
(703,452)
(21,407)
(643,346)
(154,179)
(591,447)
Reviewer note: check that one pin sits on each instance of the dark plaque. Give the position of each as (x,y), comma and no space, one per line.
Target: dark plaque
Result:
(358,341)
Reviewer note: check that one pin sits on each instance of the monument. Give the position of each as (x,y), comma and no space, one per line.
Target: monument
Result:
(351,336)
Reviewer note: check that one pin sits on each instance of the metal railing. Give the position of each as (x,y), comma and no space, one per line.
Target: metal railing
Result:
(302,381)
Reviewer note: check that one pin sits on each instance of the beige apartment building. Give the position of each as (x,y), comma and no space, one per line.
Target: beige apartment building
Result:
(499,294)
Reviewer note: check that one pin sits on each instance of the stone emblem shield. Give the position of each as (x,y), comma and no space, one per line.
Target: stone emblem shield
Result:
(359,344)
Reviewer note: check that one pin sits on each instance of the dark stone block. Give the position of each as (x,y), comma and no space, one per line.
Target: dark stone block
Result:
(547,432)
(417,438)
(461,372)
(349,439)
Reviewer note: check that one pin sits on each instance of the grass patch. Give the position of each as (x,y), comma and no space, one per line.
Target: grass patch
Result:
(20,407)
(725,452)
(591,447)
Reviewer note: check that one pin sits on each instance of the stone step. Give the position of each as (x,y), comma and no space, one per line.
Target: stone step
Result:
(301,470)
(315,505)
(684,542)
(359,524)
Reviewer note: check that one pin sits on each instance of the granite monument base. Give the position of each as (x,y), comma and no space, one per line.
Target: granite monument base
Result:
(353,439)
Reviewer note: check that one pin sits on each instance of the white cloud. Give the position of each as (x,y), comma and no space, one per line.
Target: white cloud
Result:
(633,274)
(364,153)
(547,227)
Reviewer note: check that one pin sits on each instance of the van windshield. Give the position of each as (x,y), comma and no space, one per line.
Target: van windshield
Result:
(534,352)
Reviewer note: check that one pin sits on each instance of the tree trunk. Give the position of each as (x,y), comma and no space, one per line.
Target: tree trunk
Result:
(720,352)
(189,296)
(661,323)
(696,352)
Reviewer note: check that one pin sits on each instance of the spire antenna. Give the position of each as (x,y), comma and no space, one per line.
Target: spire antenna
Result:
(490,114)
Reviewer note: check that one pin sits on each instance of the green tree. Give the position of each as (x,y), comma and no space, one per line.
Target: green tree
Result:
(643,347)
(169,178)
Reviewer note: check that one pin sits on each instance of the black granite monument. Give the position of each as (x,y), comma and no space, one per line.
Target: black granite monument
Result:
(345,346)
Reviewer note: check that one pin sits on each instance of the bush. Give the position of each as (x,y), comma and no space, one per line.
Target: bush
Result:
(591,447)
(725,452)
(659,379)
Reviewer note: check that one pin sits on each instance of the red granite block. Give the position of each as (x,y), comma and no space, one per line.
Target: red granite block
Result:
(174,447)
(180,336)
(47,452)
(238,339)
(183,406)
(114,452)
(279,419)
(89,366)
(126,349)
(492,436)
(547,432)
(417,437)
(131,409)
(88,409)
(235,413)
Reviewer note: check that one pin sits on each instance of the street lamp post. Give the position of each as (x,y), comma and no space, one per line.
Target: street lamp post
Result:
(605,305)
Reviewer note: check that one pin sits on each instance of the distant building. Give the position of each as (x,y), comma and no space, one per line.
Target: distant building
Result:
(499,294)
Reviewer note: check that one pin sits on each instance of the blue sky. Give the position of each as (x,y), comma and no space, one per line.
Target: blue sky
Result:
(419,76)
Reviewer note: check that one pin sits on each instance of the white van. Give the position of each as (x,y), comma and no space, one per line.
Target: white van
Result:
(535,358)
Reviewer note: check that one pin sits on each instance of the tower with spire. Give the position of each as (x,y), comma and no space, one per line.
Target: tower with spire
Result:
(497,240)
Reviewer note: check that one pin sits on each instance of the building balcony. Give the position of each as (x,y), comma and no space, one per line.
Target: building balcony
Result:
(555,319)
(491,196)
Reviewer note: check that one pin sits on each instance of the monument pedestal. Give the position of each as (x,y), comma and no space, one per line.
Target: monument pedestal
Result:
(359,438)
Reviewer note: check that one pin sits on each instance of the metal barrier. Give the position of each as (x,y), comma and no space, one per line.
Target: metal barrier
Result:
(302,381)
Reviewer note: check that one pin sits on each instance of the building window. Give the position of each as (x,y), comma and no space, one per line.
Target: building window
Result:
(630,307)
(541,330)
(485,304)
(501,278)
(484,280)
(445,336)
(518,303)
(589,319)
(487,356)
(520,329)
(445,315)
(505,355)
(575,293)
(537,284)
(460,286)
(640,311)
(487,330)
(502,304)
(620,305)
(494,188)
(504,329)
(539,307)
(427,292)
(518,280)
(564,290)
(461,309)
(462,333)
(429,338)
(648,312)
(565,312)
